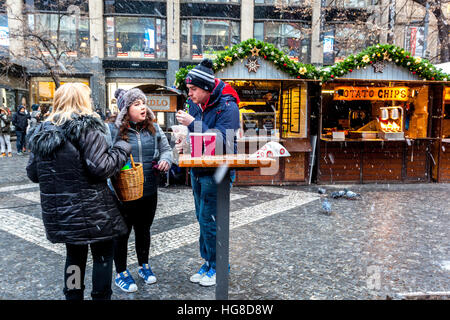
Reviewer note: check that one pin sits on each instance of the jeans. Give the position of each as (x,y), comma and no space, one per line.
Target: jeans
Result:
(5,143)
(74,271)
(205,196)
(138,214)
(20,142)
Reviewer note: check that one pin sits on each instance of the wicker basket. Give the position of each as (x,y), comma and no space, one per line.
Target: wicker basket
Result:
(129,184)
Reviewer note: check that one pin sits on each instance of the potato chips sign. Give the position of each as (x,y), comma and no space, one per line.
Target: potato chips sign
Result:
(366,93)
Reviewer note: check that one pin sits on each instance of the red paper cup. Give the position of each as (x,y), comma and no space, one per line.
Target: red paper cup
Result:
(209,140)
(196,144)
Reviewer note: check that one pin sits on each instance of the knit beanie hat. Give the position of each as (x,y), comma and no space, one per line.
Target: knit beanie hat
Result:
(202,76)
(34,107)
(125,99)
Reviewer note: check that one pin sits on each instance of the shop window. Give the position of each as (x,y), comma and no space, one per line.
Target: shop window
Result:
(294,39)
(4,32)
(350,3)
(135,37)
(8,99)
(206,38)
(283,2)
(342,40)
(212,1)
(43,90)
(70,33)
(415,40)
(141,7)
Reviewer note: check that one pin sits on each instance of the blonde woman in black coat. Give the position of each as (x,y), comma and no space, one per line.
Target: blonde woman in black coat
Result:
(71,160)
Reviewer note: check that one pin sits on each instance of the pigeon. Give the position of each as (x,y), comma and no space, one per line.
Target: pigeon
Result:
(352,195)
(326,206)
(337,194)
(321,191)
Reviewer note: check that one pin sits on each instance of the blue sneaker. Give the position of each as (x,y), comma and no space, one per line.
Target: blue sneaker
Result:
(125,281)
(209,279)
(199,275)
(146,273)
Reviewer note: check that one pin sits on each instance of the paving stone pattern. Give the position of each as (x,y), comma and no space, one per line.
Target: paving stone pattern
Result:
(393,240)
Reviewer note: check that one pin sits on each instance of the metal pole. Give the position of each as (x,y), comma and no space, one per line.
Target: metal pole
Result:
(223,236)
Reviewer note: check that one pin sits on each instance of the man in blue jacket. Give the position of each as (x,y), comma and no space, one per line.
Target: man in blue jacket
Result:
(212,106)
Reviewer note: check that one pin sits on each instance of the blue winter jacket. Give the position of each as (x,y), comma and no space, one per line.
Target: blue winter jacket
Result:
(220,113)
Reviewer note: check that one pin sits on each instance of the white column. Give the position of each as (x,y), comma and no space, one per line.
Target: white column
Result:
(247,16)
(316,44)
(173,30)
(16,18)
(96,28)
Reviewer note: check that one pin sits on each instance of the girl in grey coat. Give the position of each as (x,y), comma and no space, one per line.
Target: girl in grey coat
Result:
(151,148)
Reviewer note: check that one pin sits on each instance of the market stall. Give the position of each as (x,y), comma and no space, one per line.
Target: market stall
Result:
(379,119)
(442,174)
(275,106)
(164,102)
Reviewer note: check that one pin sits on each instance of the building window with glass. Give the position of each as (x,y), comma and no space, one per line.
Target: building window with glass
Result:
(135,29)
(293,38)
(65,29)
(208,37)
(4,32)
(342,40)
(284,2)
(350,3)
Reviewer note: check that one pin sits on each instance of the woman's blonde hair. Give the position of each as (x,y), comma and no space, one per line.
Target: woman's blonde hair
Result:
(71,99)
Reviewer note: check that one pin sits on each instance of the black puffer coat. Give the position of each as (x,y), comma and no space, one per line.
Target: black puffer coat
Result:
(72,163)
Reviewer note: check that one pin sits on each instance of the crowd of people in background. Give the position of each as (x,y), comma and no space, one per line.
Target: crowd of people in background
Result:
(19,123)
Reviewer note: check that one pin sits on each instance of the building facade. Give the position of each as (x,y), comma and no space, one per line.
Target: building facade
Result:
(121,43)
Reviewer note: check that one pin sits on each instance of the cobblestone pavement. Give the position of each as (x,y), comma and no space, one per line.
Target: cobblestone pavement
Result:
(393,240)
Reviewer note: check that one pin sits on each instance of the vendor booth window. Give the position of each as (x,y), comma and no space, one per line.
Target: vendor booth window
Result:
(135,37)
(446,123)
(342,40)
(374,111)
(292,38)
(206,38)
(68,32)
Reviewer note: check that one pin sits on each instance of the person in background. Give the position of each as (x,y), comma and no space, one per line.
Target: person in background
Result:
(71,160)
(135,124)
(20,122)
(5,133)
(213,104)
(35,116)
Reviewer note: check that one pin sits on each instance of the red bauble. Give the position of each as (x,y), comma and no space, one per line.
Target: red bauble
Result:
(350,70)
(332,76)
(284,64)
(265,57)
(432,78)
(413,72)
(407,57)
(298,77)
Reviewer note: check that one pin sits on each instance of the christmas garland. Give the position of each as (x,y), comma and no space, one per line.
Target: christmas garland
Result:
(386,53)
(371,55)
(251,48)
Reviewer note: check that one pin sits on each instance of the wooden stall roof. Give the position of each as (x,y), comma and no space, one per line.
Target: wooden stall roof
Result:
(390,72)
(267,70)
